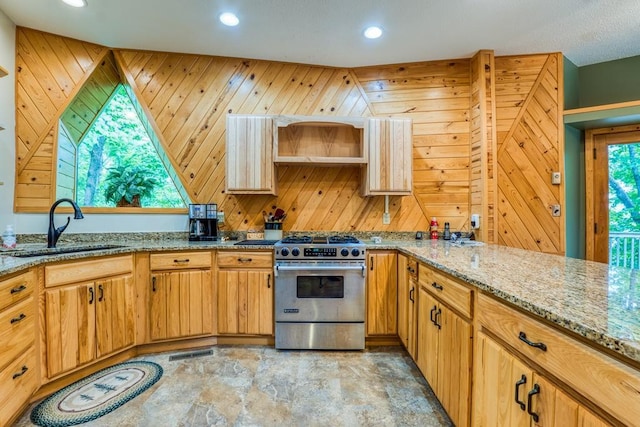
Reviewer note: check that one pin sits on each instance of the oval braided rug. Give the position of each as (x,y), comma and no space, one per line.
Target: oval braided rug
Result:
(96,395)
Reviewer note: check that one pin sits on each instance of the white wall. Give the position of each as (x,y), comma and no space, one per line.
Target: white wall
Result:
(38,223)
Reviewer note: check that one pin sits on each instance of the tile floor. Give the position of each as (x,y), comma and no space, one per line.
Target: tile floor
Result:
(261,386)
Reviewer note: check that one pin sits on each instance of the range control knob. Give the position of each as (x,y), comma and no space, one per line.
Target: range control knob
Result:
(355,252)
(344,252)
(284,252)
(295,251)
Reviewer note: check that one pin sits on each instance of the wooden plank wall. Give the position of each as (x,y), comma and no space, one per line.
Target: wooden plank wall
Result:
(50,70)
(483,144)
(85,107)
(530,147)
(436,96)
(186,98)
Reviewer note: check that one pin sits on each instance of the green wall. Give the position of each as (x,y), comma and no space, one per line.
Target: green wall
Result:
(574,209)
(609,82)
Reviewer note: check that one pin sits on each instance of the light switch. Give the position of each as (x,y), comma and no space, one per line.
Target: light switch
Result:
(556,178)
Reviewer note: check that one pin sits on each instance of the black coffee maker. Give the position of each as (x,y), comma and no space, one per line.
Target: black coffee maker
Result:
(203,222)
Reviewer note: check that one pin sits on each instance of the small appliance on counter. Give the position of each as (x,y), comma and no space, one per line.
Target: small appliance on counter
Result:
(203,222)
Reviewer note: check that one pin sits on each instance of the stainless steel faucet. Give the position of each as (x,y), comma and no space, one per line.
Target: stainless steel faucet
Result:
(54,233)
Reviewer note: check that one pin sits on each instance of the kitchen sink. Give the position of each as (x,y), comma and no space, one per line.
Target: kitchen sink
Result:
(27,253)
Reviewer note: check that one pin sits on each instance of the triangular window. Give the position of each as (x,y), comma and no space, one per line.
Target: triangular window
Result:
(117,160)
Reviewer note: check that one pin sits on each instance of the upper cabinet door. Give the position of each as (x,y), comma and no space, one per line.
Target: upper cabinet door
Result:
(250,167)
(390,166)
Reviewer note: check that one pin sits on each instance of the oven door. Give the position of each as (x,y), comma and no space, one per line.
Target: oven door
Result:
(314,292)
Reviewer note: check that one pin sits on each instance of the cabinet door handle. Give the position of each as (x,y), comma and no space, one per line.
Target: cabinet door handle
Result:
(20,318)
(438,313)
(437,286)
(18,289)
(21,373)
(521,381)
(533,392)
(433,310)
(245,259)
(101,289)
(411,295)
(523,337)
(91,296)
(269,281)
(181,261)
(371,267)
(153,284)
(408,268)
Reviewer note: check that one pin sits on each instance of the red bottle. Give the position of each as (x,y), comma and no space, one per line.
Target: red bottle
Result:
(434,228)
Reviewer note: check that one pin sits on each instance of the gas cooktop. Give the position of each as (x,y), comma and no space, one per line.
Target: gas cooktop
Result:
(317,248)
(320,240)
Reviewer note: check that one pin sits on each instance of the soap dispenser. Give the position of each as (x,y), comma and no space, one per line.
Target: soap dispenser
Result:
(9,238)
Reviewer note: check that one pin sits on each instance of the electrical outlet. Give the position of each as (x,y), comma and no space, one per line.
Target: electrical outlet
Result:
(555,210)
(386,218)
(556,178)
(220,216)
(475,221)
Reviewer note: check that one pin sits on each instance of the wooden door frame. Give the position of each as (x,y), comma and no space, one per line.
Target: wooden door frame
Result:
(595,165)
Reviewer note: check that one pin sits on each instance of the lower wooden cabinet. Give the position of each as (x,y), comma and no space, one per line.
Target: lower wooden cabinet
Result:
(507,392)
(445,355)
(245,302)
(87,321)
(181,304)
(408,303)
(19,376)
(245,293)
(382,293)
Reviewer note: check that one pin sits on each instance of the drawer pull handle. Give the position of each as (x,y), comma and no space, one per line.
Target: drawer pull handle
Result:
(181,261)
(245,259)
(437,286)
(533,392)
(21,373)
(18,289)
(411,295)
(19,318)
(521,381)
(523,337)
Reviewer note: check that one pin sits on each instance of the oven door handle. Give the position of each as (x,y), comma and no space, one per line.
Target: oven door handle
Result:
(361,268)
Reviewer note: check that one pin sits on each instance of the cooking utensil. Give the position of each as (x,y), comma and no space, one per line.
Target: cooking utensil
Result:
(278,214)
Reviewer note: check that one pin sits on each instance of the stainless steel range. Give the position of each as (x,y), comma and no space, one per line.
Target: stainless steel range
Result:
(320,293)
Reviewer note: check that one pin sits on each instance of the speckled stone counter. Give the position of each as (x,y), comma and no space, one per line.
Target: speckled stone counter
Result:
(594,300)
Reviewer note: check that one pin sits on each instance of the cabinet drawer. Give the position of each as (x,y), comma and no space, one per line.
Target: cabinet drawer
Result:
(16,288)
(18,381)
(81,271)
(17,329)
(178,260)
(447,289)
(608,383)
(243,259)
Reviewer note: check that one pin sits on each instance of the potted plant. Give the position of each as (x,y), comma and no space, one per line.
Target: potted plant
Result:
(126,185)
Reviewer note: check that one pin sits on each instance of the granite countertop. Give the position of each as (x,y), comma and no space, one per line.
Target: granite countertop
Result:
(594,300)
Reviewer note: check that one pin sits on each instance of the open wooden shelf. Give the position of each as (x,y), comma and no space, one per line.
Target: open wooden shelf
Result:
(322,142)
(618,114)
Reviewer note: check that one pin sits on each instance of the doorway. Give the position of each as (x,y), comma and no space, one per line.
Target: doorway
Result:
(612,169)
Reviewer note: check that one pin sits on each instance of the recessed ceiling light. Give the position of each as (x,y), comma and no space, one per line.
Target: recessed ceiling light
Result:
(373,32)
(229,19)
(76,3)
